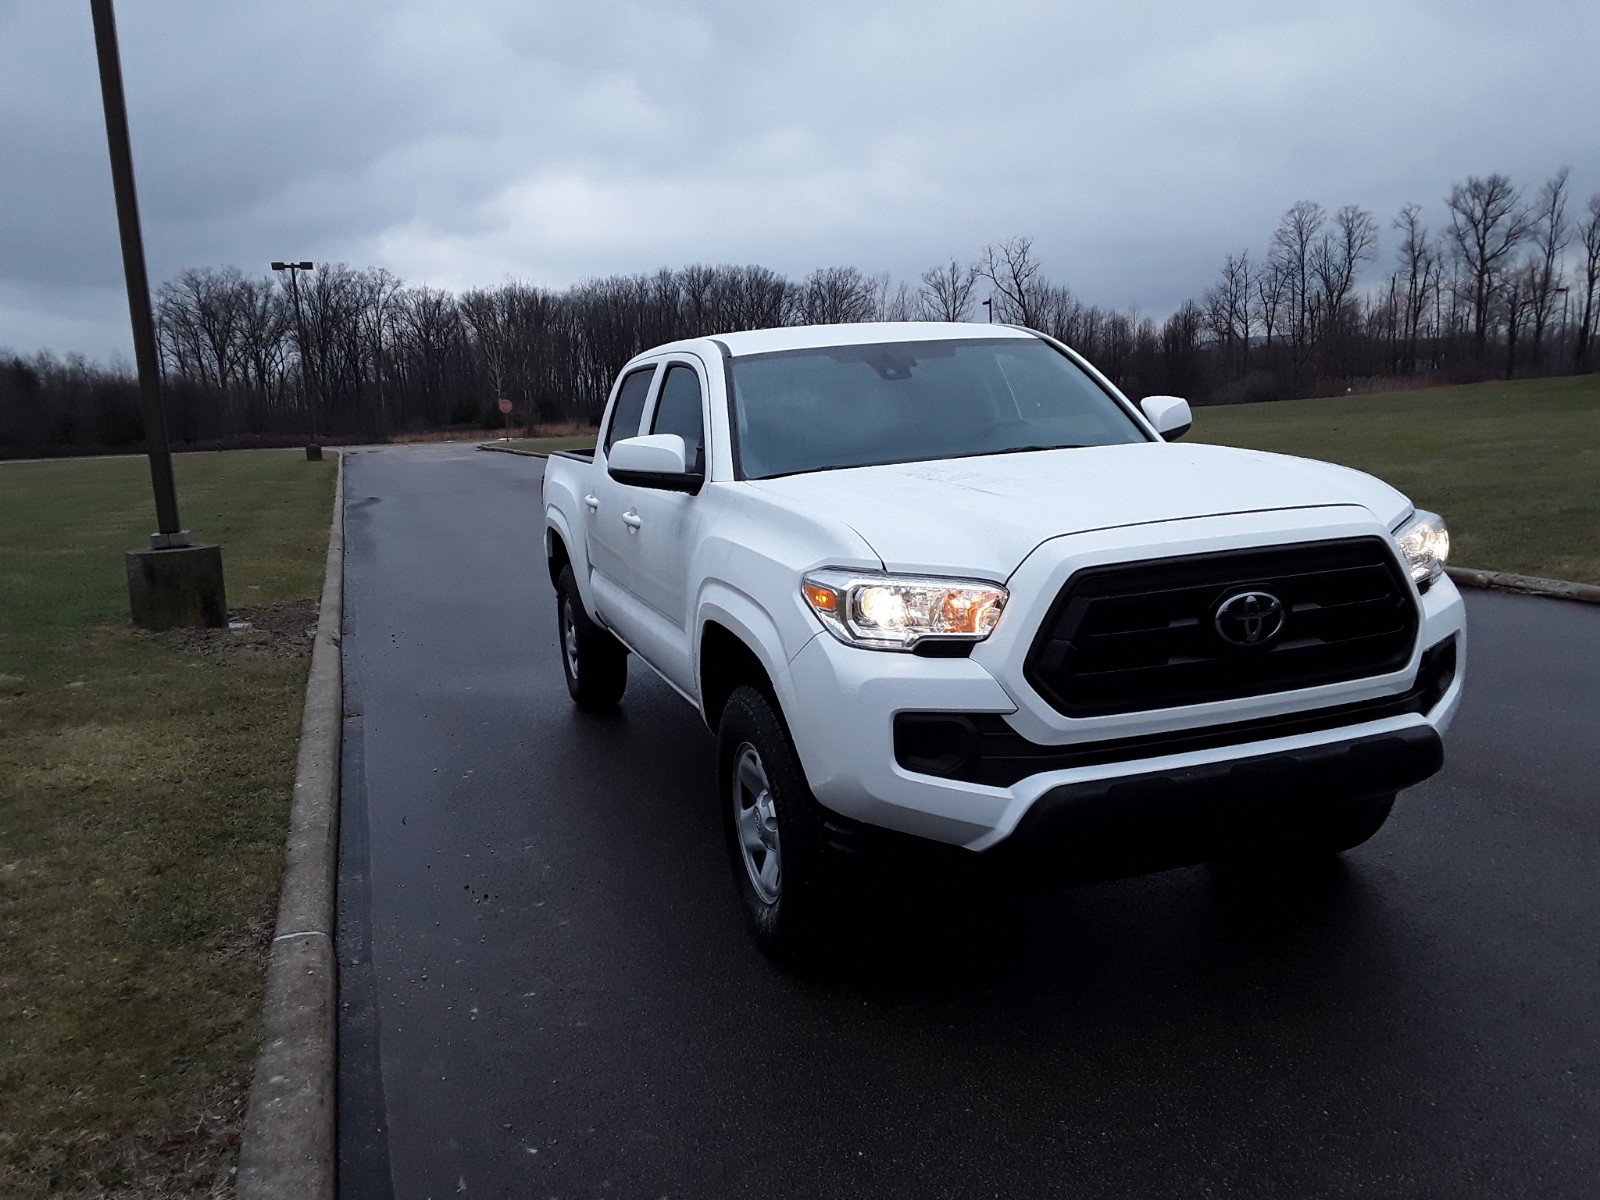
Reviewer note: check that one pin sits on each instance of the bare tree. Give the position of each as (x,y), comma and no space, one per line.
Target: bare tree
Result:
(894,301)
(1118,350)
(1419,266)
(1515,304)
(1487,224)
(1012,272)
(428,335)
(203,313)
(1272,284)
(487,316)
(1551,232)
(1352,241)
(1229,309)
(1294,245)
(835,295)
(947,291)
(1589,235)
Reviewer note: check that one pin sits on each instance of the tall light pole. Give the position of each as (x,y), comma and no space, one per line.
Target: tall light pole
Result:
(174,582)
(313,448)
(170,530)
(989,307)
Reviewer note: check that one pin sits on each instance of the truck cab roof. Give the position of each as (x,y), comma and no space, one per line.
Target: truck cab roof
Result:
(863,333)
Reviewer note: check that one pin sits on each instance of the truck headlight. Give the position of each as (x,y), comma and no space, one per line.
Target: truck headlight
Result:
(1425,542)
(895,612)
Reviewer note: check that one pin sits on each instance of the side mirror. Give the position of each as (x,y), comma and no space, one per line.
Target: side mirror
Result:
(1169,414)
(655,460)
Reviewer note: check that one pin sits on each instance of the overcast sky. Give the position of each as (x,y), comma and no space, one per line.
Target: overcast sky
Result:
(467,142)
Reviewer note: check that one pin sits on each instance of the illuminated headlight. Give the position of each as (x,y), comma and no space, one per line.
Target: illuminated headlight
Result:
(895,612)
(1425,542)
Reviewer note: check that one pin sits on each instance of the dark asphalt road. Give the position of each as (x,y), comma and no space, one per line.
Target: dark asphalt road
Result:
(548,991)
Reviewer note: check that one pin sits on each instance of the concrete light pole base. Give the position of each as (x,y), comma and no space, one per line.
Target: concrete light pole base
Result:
(180,587)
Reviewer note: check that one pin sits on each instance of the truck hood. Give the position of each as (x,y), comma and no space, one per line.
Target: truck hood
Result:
(986,514)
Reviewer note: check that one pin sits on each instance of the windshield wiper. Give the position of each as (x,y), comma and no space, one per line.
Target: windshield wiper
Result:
(1030,449)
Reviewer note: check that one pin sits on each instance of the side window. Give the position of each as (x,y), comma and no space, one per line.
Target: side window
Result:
(629,408)
(678,411)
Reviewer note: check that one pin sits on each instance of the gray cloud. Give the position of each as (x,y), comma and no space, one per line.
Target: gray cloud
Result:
(463,143)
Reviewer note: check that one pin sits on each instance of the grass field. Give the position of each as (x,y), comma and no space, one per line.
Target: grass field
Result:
(144,793)
(1513,467)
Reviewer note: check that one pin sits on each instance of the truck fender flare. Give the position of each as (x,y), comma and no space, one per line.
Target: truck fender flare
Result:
(555,526)
(746,620)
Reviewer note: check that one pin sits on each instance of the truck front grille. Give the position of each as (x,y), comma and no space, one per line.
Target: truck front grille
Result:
(1127,637)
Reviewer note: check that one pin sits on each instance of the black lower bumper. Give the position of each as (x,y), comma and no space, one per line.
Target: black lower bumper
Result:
(1105,829)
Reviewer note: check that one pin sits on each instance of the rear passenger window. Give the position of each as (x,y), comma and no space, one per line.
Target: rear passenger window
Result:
(678,411)
(629,408)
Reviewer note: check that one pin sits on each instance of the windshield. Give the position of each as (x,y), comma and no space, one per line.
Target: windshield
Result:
(857,406)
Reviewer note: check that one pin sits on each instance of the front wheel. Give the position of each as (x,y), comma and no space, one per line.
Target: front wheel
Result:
(773,832)
(594,662)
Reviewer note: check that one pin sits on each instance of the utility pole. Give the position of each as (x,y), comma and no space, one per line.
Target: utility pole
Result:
(313,447)
(173,583)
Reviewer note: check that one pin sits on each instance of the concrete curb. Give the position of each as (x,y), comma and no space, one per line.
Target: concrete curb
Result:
(498,449)
(1527,585)
(288,1144)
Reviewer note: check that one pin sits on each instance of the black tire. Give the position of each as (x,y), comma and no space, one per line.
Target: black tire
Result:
(789,920)
(594,662)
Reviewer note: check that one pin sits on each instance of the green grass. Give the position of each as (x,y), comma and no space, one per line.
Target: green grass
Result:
(144,795)
(546,444)
(1513,467)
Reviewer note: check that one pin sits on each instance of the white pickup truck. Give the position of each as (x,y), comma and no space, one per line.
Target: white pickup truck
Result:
(954,605)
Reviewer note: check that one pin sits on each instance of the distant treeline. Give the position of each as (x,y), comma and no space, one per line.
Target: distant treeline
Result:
(1507,286)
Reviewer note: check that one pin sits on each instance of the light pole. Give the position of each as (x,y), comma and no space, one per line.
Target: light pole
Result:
(313,447)
(174,582)
(989,307)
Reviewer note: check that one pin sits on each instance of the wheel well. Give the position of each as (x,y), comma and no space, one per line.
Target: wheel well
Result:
(726,664)
(557,556)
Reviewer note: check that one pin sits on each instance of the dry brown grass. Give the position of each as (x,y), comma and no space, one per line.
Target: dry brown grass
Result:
(144,796)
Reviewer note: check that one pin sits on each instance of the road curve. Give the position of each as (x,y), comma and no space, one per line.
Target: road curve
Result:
(546,990)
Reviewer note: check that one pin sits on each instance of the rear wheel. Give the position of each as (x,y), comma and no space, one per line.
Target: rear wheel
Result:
(773,831)
(594,662)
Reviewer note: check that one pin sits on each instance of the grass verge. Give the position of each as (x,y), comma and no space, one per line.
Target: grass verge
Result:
(1513,467)
(543,445)
(145,783)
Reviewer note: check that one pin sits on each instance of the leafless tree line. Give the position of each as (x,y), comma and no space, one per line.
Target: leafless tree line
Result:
(1509,283)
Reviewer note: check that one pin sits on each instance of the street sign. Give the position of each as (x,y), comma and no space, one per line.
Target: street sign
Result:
(505,406)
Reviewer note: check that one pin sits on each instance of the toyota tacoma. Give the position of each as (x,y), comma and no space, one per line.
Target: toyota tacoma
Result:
(953,605)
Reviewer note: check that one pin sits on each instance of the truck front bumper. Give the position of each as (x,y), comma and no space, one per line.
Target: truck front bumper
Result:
(1291,756)
(1132,824)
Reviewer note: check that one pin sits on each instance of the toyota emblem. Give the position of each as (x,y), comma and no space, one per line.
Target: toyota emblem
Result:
(1249,618)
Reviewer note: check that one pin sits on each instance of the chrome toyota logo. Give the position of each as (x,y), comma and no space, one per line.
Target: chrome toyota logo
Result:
(1249,618)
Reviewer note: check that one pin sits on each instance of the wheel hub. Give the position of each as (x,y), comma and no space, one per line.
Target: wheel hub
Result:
(756,823)
(569,637)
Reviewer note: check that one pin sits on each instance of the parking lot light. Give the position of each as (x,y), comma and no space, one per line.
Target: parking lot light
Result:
(174,582)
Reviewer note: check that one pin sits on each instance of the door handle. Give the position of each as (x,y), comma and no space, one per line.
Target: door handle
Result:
(632,519)
(593,502)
